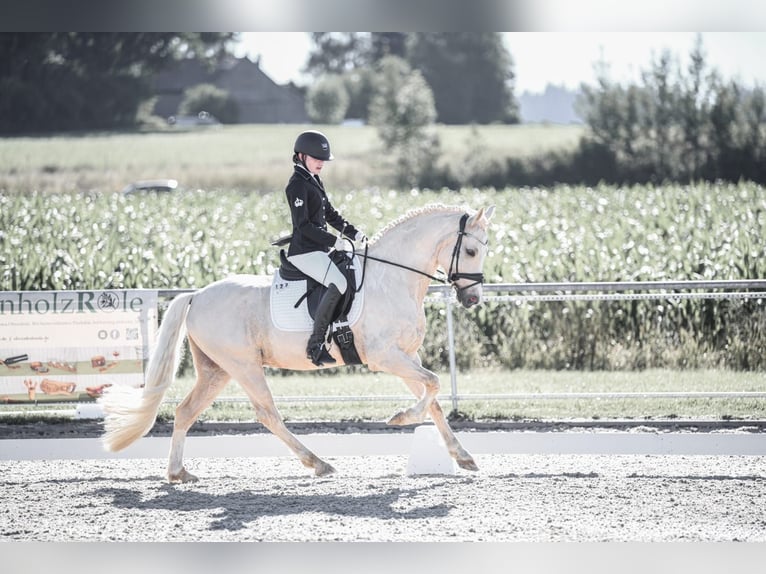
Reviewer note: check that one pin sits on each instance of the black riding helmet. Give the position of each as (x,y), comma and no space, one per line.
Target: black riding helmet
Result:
(313,143)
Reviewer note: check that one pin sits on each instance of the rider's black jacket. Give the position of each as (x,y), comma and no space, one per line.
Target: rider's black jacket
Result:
(311,211)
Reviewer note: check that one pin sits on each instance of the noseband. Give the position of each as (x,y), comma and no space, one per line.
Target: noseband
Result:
(453,278)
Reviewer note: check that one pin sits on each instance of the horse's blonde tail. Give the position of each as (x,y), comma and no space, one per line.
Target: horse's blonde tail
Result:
(130,412)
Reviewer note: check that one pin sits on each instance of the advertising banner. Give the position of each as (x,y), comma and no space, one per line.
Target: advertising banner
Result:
(70,345)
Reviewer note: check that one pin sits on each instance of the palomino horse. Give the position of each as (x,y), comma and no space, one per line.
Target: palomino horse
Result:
(231,335)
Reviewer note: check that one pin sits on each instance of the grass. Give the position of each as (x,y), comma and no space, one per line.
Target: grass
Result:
(374,397)
(291,393)
(241,157)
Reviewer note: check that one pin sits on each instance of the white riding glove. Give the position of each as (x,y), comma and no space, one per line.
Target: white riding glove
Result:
(361,237)
(340,244)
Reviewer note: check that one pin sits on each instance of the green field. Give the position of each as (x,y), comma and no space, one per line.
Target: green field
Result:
(63,227)
(575,234)
(246,158)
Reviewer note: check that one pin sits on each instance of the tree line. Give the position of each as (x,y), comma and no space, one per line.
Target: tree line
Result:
(69,81)
(678,125)
(72,81)
(674,125)
(470,75)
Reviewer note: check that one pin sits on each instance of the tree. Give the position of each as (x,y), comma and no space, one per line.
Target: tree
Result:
(403,110)
(327,100)
(337,53)
(352,57)
(676,125)
(694,109)
(724,115)
(470,74)
(662,118)
(754,112)
(211,99)
(359,87)
(76,80)
(343,52)
(384,44)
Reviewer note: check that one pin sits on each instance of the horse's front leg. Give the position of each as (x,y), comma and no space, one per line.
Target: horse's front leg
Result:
(462,457)
(456,450)
(423,383)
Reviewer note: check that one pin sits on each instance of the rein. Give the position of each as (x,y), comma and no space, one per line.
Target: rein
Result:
(393,263)
(452,278)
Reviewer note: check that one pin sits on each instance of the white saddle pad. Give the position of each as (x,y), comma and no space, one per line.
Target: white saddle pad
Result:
(284,295)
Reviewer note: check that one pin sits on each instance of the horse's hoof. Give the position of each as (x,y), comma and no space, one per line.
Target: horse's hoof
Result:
(467,464)
(323,469)
(183,476)
(399,419)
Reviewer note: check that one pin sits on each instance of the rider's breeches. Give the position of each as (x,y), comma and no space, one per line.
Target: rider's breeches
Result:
(319,266)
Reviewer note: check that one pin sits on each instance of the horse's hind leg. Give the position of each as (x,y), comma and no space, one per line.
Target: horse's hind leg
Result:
(253,380)
(210,380)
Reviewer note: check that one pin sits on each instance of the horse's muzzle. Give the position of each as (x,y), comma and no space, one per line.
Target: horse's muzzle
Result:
(468,300)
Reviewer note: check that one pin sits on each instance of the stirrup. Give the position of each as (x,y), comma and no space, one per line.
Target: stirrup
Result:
(319,355)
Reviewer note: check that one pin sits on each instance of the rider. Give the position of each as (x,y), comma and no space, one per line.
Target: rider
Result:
(310,244)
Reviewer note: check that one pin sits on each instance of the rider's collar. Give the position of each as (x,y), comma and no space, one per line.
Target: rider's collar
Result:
(305,172)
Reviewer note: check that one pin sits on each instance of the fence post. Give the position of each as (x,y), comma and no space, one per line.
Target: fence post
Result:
(451,343)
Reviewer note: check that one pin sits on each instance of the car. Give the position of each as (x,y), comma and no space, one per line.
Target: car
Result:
(150,185)
(202,119)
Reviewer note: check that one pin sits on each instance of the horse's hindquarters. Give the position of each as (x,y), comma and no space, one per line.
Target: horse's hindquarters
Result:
(230,317)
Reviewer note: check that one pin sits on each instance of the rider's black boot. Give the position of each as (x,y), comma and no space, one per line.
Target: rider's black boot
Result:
(316,350)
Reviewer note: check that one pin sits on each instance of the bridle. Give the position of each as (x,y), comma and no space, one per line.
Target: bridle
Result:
(477,278)
(452,277)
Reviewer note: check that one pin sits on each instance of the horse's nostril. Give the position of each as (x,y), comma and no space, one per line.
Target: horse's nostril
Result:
(472,300)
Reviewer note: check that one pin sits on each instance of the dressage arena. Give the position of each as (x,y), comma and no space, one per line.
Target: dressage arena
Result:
(580,485)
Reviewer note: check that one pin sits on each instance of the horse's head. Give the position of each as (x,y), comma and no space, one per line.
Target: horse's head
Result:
(470,249)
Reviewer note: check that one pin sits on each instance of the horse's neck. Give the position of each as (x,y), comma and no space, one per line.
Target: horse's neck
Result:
(414,243)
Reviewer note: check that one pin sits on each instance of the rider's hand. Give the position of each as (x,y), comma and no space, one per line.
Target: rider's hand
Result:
(340,244)
(360,237)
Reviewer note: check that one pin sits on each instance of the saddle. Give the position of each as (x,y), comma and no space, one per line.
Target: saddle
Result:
(292,287)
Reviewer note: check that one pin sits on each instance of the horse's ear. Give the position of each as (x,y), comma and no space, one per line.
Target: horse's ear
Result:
(483,216)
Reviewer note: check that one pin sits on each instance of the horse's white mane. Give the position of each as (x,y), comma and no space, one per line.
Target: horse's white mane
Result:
(416,212)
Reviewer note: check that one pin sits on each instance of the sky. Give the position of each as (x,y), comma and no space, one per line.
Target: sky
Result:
(559,58)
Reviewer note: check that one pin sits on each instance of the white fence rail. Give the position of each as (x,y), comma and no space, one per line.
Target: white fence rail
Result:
(586,291)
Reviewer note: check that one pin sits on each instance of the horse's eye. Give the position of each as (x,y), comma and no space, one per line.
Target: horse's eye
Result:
(470,252)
